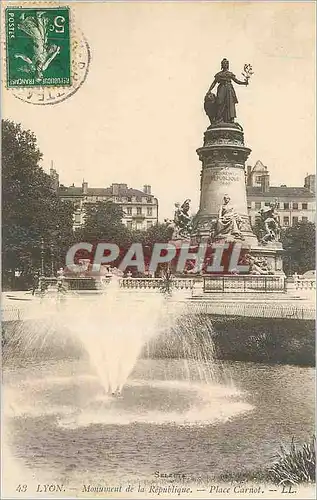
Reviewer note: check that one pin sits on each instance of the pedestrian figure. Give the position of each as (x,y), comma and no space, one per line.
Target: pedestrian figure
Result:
(36,280)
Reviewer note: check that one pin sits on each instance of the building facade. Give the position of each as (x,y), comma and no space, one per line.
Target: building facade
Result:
(294,204)
(140,208)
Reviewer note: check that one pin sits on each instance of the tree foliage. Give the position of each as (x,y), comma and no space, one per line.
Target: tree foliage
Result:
(31,209)
(299,245)
(103,222)
(159,233)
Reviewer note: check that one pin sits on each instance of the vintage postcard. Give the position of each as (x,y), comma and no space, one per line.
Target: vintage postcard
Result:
(158,249)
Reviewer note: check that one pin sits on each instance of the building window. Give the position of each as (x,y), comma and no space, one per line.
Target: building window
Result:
(258,178)
(129,211)
(295,205)
(138,199)
(149,224)
(295,220)
(285,221)
(257,205)
(286,206)
(149,200)
(77,218)
(304,206)
(304,219)
(139,210)
(129,224)
(149,211)
(129,199)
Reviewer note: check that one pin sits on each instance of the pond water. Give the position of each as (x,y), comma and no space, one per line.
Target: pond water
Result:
(60,423)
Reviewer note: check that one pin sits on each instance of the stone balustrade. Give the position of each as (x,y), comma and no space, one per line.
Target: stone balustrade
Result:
(141,283)
(305,283)
(246,284)
(210,283)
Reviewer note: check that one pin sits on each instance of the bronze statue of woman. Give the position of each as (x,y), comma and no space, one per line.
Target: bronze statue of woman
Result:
(222,108)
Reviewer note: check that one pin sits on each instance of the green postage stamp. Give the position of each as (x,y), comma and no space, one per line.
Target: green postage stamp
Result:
(38,47)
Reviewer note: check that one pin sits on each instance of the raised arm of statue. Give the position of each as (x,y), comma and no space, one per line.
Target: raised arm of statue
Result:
(239,82)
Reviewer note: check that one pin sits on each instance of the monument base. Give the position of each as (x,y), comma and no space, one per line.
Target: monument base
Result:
(272,252)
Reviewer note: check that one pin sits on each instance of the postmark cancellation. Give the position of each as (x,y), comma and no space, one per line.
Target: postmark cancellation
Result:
(47,56)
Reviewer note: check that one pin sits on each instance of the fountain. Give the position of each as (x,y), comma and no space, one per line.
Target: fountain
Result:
(108,376)
(113,327)
(118,333)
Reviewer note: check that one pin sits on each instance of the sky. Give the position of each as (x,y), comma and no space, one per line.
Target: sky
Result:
(138,118)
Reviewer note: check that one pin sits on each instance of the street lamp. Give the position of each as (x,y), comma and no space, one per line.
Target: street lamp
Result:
(42,256)
(52,260)
(57,237)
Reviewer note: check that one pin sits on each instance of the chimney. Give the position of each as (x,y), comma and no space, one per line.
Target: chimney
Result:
(147,189)
(84,187)
(310,183)
(115,189)
(265,183)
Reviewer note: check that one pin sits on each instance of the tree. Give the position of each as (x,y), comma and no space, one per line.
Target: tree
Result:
(299,245)
(103,222)
(159,233)
(31,209)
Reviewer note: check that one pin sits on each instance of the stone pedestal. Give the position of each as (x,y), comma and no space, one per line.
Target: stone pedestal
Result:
(273,253)
(223,158)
